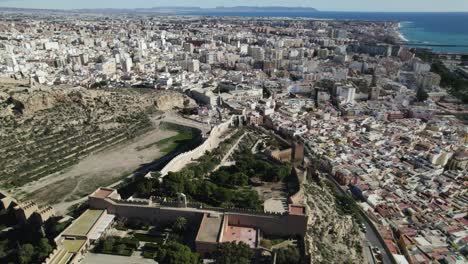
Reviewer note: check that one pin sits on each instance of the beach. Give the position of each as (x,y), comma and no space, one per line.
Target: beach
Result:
(400,35)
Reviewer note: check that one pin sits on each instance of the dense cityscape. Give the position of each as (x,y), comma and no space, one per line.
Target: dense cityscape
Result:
(201,139)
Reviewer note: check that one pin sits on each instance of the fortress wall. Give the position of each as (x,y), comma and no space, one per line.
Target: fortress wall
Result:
(282,155)
(150,213)
(212,142)
(171,214)
(99,203)
(288,225)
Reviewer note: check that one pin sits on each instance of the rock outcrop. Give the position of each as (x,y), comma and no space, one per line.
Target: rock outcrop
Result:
(332,237)
(169,101)
(28,101)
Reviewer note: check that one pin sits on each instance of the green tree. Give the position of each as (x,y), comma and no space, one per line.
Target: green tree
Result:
(180,225)
(25,253)
(246,199)
(120,248)
(174,183)
(206,191)
(108,244)
(144,187)
(3,248)
(222,195)
(421,95)
(241,179)
(232,253)
(176,253)
(289,255)
(44,248)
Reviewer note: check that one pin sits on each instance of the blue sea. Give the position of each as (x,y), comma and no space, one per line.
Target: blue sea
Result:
(420,28)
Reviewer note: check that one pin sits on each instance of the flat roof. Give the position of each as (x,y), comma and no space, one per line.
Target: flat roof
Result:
(73,245)
(246,235)
(101,226)
(102,193)
(296,210)
(210,228)
(84,223)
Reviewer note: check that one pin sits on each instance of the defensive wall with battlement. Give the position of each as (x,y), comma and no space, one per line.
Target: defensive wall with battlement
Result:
(212,142)
(291,223)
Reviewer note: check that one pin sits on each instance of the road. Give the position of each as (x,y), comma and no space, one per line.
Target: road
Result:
(371,236)
(372,239)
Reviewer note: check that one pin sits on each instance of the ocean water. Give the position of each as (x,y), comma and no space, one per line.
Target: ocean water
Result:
(449,29)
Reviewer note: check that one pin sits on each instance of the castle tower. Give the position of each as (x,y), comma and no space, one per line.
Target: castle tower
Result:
(298,152)
(24,211)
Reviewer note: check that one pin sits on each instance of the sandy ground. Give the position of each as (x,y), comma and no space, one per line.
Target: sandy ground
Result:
(274,196)
(99,169)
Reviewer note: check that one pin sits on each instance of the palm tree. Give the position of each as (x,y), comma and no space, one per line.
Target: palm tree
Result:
(180,225)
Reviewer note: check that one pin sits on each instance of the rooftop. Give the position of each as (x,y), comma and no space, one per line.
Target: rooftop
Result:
(84,223)
(296,210)
(246,235)
(73,245)
(102,193)
(209,228)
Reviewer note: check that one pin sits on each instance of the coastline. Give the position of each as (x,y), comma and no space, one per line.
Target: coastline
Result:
(400,35)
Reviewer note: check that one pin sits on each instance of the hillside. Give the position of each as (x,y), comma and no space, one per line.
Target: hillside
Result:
(45,130)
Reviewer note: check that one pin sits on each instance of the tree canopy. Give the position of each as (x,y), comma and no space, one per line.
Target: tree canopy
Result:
(175,253)
(288,255)
(25,253)
(180,225)
(233,253)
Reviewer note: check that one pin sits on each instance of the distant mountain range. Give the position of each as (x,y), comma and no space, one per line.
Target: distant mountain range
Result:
(267,8)
(255,9)
(178,10)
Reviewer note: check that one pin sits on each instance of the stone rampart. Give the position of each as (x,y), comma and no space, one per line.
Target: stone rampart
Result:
(270,223)
(212,142)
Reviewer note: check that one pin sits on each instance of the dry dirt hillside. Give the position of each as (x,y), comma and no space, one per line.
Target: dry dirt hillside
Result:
(44,131)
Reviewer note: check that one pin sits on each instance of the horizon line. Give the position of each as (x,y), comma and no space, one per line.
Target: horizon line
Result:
(215,7)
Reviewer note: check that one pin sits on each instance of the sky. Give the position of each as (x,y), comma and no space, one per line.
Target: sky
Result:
(323,5)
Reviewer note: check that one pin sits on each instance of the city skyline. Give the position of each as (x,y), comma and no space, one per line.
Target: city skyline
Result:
(322,5)
(249,133)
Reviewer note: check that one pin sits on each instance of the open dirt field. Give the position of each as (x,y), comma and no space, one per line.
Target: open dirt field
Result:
(99,169)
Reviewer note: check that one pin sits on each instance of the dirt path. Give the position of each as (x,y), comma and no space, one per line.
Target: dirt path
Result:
(229,153)
(99,169)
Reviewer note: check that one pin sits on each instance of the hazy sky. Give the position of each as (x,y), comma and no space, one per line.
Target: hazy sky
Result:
(325,5)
